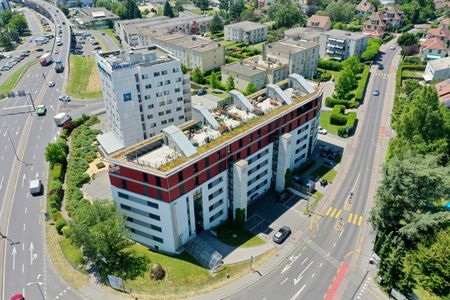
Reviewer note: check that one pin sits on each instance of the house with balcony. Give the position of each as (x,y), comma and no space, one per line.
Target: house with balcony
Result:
(380,22)
(441,32)
(246,31)
(365,8)
(433,48)
(340,44)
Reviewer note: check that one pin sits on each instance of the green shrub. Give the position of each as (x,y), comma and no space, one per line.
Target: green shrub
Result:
(54,200)
(406,28)
(59,225)
(337,116)
(373,47)
(329,65)
(359,94)
(413,67)
(331,102)
(100,165)
(57,215)
(349,127)
(56,185)
(240,216)
(57,171)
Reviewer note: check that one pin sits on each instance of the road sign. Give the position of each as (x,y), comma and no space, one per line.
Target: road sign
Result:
(115,282)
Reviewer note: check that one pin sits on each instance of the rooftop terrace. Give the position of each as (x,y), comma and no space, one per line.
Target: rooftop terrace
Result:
(164,152)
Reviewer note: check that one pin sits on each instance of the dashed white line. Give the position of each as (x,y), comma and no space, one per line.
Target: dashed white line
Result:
(284,281)
(24,227)
(26,209)
(298,293)
(340,234)
(304,261)
(334,245)
(321,264)
(314,274)
(23,268)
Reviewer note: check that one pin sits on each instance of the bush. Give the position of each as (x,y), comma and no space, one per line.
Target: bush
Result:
(359,94)
(373,47)
(337,116)
(329,65)
(349,127)
(54,201)
(100,165)
(57,171)
(406,28)
(331,102)
(60,224)
(240,216)
(57,215)
(413,67)
(157,272)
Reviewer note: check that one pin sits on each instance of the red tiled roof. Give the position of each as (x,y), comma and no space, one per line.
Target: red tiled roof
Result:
(393,10)
(323,21)
(365,6)
(433,43)
(445,22)
(440,31)
(376,16)
(443,90)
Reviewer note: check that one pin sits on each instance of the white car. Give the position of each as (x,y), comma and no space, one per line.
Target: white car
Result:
(51,84)
(392,47)
(322,131)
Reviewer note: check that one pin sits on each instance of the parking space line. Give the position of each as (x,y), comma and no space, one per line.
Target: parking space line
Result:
(338,213)
(355,218)
(262,221)
(360,220)
(328,211)
(333,212)
(350,218)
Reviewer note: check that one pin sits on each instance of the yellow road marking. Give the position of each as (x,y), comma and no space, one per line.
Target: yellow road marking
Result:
(338,213)
(333,212)
(360,221)
(350,218)
(328,211)
(355,218)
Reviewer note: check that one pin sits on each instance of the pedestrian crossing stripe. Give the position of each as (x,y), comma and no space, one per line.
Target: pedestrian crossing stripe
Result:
(350,218)
(360,221)
(328,211)
(338,214)
(355,219)
(333,212)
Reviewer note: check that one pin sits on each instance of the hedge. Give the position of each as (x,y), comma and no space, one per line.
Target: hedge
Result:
(406,28)
(350,125)
(60,224)
(57,171)
(329,65)
(373,47)
(337,116)
(331,102)
(413,67)
(388,37)
(359,94)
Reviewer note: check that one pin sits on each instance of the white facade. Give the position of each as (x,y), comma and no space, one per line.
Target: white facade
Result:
(4,5)
(437,69)
(143,93)
(246,32)
(340,44)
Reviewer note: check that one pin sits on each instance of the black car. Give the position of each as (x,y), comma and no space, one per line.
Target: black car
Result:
(282,234)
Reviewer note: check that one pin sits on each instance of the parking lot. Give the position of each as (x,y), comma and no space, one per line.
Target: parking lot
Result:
(84,44)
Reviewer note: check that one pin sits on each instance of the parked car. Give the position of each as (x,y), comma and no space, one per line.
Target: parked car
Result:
(322,130)
(5,68)
(98,48)
(202,92)
(282,234)
(39,49)
(17,297)
(376,93)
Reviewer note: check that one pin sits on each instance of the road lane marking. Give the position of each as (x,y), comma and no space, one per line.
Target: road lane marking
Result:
(334,245)
(314,274)
(350,218)
(284,280)
(333,212)
(360,220)
(26,208)
(298,293)
(321,264)
(24,227)
(300,276)
(304,261)
(338,213)
(340,234)
(328,211)
(1,182)
(355,218)
(23,268)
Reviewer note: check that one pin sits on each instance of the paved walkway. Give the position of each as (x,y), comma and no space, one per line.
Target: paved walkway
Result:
(231,254)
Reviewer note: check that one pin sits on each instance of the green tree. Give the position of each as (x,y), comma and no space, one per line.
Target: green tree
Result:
(64,9)
(230,83)
(202,4)
(353,64)
(215,84)
(167,11)
(5,41)
(19,23)
(101,232)
(224,5)
(184,68)
(341,11)
(56,153)
(285,14)
(345,84)
(179,6)
(131,10)
(287,178)
(103,3)
(236,9)
(5,17)
(216,24)
(407,39)
(251,88)
(198,76)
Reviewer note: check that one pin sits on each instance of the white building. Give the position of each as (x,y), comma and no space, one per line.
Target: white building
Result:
(246,31)
(193,177)
(4,5)
(437,69)
(340,44)
(144,91)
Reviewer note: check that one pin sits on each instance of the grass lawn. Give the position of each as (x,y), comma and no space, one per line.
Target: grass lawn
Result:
(15,77)
(313,201)
(111,35)
(227,43)
(325,173)
(412,73)
(325,122)
(184,276)
(222,95)
(424,295)
(244,238)
(336,74)
(257,46)
(72,253)
(84,79)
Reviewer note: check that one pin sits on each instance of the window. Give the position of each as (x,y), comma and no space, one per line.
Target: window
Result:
(180,117)
(126,97)
(161,113)
(149,117)
(215,194)
(217,215)
(147,97)
(162,103)
(168,111)
(122,195)
(177,90)
(148,86)
(164,72)
(163,122)
(167,82)
(151,106)
(180,99)
(145,76)
(156,74)
(166,93)
(160,83)
(179,108)
(215,182)
(216,205)
(158,94)
(170,120)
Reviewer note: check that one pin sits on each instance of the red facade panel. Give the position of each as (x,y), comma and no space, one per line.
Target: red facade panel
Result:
(202,177)
(173,180)
(135,187)
(115,181)
(130,173)
(175,193)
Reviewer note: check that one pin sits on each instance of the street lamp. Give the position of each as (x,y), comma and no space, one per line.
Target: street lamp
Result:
(38,284)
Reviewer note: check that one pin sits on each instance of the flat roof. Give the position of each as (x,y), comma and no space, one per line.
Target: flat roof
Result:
(246,25)
(287,46)
(89,14)
(344,34)
(234,122)
(243,69)
(440,64)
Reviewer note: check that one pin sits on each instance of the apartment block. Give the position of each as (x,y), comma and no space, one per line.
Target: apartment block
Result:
(244,74)
(193,51)
(144,91)
(340,44)
(194,176)
(302,33)
(246,31)
(187,23)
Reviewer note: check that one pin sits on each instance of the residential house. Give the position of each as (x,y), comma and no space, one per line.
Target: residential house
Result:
(441,32)
(243,75)
(443,90)
(302,33)
(246,31)
(441,4)
(380,22)
(320,23)
(340,44)
(433,48)
(445,22)
(437,69)
(365,8)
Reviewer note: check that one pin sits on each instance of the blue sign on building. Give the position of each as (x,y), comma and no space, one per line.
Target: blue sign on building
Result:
(127,97)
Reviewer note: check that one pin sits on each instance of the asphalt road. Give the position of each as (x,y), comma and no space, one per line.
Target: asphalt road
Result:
(321,261)
(25,266)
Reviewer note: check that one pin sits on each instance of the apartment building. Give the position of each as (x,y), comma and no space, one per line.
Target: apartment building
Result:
(197,175)
(340,44)
(246,31)
(302,33)
(243,74)
(144,91)
(129,30)
(4,5)
(193,51)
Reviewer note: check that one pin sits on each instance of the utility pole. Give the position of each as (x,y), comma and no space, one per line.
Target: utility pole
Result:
(31,98)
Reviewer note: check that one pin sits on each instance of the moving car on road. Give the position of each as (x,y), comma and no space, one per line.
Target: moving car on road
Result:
(392,47)
(41,110)
(51,84)
(376,93)
(64,98)
(35,187)
(61,118)
(282,234)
